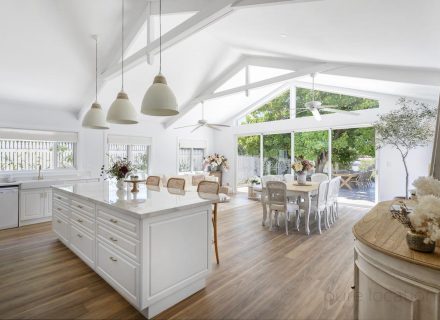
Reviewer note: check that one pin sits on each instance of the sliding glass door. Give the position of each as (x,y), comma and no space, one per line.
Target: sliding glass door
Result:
(313,145)
(248,159)
(276,154)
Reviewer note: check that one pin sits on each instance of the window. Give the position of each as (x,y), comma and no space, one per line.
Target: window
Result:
(276,109)
(191,155)
(26,150)
(135,149)
(339,101)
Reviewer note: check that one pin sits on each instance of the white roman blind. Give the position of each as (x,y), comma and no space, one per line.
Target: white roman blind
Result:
(34,135)
(128,140)
(193,144)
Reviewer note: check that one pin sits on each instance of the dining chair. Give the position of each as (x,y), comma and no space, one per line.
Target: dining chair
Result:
(289,178)
(153,181)
(176,183)
(319,177)
(211,187)
(196,179)
(277,202)
(333,204)
(319,205)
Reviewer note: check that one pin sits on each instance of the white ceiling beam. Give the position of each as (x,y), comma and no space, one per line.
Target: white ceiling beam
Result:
(318,68)
(150,31)
(254,3)
(208,89)
(211,13)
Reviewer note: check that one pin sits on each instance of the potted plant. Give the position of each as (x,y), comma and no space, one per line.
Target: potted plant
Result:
(406,128)
(254,180)
(119,170)
(301,168)
(216,162)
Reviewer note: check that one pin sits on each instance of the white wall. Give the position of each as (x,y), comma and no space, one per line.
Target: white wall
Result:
(92,143)
(389,164)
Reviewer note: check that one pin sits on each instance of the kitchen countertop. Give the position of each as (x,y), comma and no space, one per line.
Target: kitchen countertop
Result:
(378,230)
(148,201)
(47,182)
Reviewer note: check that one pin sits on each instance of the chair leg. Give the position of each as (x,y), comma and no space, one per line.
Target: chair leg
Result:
(319,221)
(287,223)
(214,224)
(270,219)
(326,219)
(298,217)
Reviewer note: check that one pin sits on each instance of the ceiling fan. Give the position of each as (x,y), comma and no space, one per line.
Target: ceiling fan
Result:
(204,123)
(316,106)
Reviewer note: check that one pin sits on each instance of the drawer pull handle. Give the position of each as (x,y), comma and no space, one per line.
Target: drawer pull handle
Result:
(79,220)
(113,239)
(59,198)
(59,209)
(79,235)
(114,220)
(113,259)
(59,221)
(80,206)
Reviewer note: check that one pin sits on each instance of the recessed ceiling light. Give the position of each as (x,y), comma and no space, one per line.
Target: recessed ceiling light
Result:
(283,35)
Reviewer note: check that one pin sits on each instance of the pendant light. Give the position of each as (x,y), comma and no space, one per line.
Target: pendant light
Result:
(95,117)
(121,110)
(159,100)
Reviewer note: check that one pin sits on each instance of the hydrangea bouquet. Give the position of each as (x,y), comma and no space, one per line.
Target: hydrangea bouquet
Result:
(302,165)
(216,161)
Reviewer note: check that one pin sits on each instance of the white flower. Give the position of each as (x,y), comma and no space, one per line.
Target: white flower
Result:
(426,186)
(426,217)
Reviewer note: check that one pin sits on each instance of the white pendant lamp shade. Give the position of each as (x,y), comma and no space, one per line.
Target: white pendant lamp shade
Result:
(122,111)
(95,118)
(159,100)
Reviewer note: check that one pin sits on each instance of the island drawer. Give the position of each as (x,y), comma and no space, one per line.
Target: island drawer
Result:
(83,207)
(122,274)
(83,244)
(61,209)
(83,221)
(60,227)
(61,198)
(123,223)
(131,248)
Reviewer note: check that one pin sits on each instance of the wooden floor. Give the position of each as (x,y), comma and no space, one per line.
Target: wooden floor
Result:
(262,274)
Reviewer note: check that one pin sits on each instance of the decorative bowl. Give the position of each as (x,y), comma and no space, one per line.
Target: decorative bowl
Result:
(416,242)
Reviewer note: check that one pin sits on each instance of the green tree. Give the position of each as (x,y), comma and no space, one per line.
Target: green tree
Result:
(276,109)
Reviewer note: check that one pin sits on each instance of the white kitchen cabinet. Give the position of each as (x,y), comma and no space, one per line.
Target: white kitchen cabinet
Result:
(35,204)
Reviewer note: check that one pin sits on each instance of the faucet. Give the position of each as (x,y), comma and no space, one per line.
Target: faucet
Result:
(40,177)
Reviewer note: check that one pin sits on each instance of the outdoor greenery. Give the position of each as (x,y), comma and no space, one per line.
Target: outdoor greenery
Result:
(348,144)
(406,128)
(340,101)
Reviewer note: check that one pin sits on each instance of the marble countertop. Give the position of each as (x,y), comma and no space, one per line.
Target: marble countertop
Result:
(147,202)
(46,182)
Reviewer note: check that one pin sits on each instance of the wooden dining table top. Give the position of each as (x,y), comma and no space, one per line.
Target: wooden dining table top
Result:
(295,187)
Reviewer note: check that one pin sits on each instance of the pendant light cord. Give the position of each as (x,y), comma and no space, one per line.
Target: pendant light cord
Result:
(96,69)
(160,36)
(122,49)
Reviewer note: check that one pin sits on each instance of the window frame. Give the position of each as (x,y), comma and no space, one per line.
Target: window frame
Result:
(130,154)
(56,167)
(191,160)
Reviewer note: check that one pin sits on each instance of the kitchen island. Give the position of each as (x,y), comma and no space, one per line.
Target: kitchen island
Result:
(392,281)
(153,246)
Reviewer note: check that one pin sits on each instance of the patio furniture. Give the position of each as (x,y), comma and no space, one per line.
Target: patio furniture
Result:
(346,178)
(319,177)
(277,202)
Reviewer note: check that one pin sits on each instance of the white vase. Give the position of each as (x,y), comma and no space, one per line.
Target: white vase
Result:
(301,178)
(120,184)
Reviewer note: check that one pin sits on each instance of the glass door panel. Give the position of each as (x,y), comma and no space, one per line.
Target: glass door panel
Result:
(276,154)
(248,159)
(313,146)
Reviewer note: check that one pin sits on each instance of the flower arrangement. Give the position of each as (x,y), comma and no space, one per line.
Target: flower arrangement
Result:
(426,186)
(254,180)
(302,165)
(425,218)
(216,160)
(119,169)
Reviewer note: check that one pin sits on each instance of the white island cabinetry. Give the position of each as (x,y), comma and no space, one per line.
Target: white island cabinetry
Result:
(155,250)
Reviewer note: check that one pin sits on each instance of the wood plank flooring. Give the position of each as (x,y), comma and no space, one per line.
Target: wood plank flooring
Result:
(262,274)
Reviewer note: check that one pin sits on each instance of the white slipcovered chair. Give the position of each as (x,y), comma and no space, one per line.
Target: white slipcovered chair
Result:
(319,177)
(277,202)
(289,178)
(319,204)
(332,200)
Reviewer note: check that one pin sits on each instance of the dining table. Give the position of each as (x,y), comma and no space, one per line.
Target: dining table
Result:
(298,192)
(346,178)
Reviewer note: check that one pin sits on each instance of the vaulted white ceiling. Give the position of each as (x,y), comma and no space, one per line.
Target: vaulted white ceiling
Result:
(47,55)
